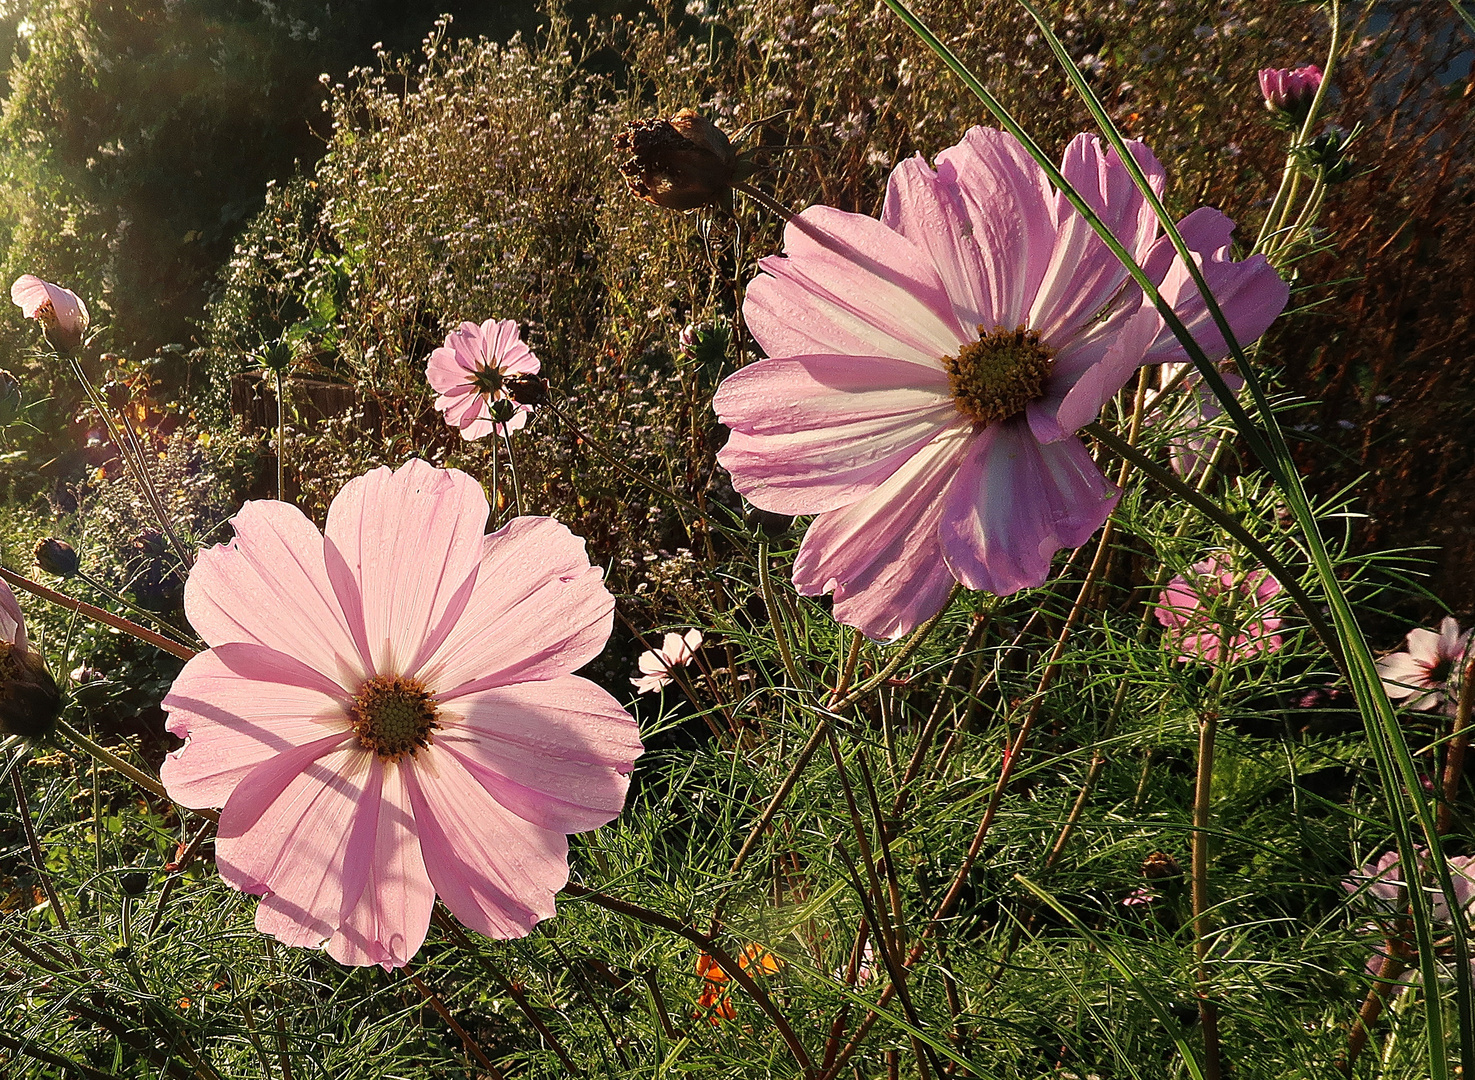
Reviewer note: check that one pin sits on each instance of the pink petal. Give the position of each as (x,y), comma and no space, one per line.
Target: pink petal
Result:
(1014,503)
(1008,201)
(238,706)
(1206,230)
(285,829)
(650,683)
(1099,383)
(850,286)
(402,552)
(1083,274)
(446,374)
(1402,675)
(537,610)
(30,294)
(269,586)
(1250,294)
(813,433)
(1177,604)
(12,622)
(880,555)
(385,915)
(1451,641)
(557,753)
(496,872)
(929,211)
(1423,646)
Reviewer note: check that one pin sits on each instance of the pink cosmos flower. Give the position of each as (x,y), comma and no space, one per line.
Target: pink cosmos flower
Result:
(61,313)
(1384,886)
(1290,90)
(1428,672)
(470,374)
(677,650)
(1213,608)
(1191,449)
(386,713)
(927,372)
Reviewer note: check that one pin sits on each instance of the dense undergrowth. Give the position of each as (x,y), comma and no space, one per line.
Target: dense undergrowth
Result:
(1012,804)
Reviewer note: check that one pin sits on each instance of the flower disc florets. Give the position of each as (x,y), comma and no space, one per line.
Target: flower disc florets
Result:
(393,716)
(995,377)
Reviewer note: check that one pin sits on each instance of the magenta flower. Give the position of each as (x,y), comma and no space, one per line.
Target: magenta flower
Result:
(656,665)
(470,373)
(1290,90)
(61,313)
(1428,672)
(386,713)
(927,372)
(1213,608)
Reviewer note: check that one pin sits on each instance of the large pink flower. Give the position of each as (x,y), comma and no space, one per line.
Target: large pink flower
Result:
(1428,672)
(386,713)
(60,312)
(470,374)
(927,372)
(1216,613)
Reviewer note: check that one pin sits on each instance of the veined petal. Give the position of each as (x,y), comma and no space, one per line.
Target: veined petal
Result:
(387,901)
(1014,503)
(1099,383)
(880,555)
(1084,275)
(1008,201)
(496,872)
(557,753)
(402,551)
(537,610)
(929,211)
(812,433)
(12,622)
(269,586)
(849,285)
(285,829)
(238,705)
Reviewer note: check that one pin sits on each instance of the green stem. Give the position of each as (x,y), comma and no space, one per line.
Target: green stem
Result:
(125,768)
(775,618)
(281,438)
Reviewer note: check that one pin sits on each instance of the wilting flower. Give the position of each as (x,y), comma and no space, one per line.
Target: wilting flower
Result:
(471,372)
(1428,672)
(656,665)
(61,313)
(57,557)
(29,699)
(386,713)
(1290,90)
(1214,613)
(680,164)
(928,371)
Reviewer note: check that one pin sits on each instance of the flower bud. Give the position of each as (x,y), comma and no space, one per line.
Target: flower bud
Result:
(680,164)
(11,398)
(276,357)
(29,699)
(1161,865)
(1290,91)
(526,389)
(57,557)
(1327,156)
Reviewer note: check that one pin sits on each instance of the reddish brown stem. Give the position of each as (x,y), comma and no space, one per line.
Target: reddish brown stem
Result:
(117,622)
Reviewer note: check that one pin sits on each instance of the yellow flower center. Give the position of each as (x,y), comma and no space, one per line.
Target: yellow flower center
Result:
(995,377)
(393,716)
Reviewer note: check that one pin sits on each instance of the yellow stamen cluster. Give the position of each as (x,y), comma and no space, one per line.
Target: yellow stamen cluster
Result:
(393,716)
(995,377)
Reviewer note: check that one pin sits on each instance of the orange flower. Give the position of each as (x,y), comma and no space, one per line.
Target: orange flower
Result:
(714,1002)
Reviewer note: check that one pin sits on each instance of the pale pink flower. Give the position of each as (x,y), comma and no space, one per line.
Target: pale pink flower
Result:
(1214,608)
(1290,90)
(1427,672)
(12,621)
(1140,897)
(386,713)
(1384,886)
(470,373)
(928,371)
(656,665)
(1193,446)
(61,313)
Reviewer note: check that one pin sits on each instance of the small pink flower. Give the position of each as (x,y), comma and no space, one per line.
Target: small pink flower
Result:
(470,374)
(1191,449)
(928,372)
(1290,90)
(656,665)
(1428,672)
(1140,897)
(61,313)
(386,713)
(1213,608)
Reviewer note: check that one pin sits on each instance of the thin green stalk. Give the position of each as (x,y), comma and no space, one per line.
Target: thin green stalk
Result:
(125,768)
(97,614)
(169,629)
(775,618)
(38,857)
(281,438)
(1203,801)
(512,472)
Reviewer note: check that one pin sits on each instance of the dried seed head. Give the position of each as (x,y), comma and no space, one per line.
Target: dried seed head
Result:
(681,163)
(29,699)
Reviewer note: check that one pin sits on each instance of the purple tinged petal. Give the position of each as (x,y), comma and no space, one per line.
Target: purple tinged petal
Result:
(880,555)
(814,433)
(850,285)
(1101,382)
(1014,503)
(928,209)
